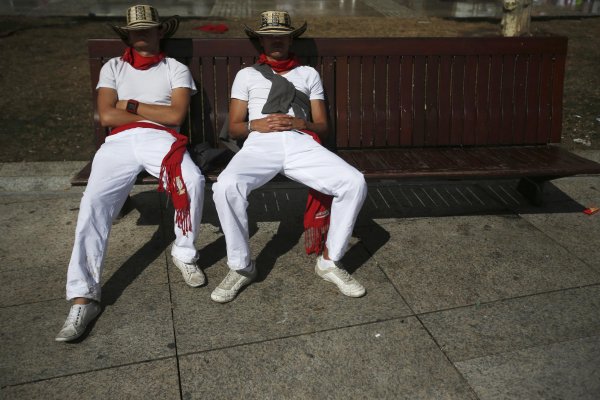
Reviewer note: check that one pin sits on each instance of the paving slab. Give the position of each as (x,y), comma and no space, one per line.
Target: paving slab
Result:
(387,360)
(504,326)
(38,234)
(138,327)
(442,263)
(575,230)
(148,380)
(288,298)
(567,370)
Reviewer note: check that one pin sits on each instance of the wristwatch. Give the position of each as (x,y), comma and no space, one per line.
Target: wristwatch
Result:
(249,126)
(132,106)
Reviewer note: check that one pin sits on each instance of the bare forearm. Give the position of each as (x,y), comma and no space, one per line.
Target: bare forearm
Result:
(113,117)
(164,115)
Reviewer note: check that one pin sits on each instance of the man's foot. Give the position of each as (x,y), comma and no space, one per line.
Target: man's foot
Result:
(78,319)
(328,270)
(231,285)
(192,275)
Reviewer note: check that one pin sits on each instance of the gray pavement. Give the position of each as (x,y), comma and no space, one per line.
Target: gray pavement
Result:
(471,294)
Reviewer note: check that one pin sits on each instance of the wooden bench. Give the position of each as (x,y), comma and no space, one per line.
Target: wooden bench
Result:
(443,108)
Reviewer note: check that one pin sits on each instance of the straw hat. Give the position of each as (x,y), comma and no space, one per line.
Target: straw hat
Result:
(275,23)
(144,17)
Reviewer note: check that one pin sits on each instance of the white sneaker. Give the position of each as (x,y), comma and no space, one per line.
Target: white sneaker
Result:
(328,270)
(231,285)
(78,319)
(192,275)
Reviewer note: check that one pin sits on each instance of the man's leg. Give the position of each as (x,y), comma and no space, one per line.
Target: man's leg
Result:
(113,174)
(257,163)
(156,145)
(315,166)
(114,171)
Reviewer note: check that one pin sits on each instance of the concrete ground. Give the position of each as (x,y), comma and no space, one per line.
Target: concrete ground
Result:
(471,294)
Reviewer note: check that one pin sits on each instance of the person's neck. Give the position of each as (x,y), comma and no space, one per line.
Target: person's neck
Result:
(283,58)
(148,52)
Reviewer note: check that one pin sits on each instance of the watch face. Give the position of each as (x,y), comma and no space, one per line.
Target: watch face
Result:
(131,107)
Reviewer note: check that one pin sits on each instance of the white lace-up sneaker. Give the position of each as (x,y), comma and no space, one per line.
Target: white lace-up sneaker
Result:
(192,275)
(328,270)
(78,319)
(231,285)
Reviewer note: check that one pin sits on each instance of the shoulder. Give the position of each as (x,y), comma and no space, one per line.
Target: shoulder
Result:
(307,71)
(174,64)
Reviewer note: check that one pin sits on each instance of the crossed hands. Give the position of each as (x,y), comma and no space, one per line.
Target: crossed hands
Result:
(278,123)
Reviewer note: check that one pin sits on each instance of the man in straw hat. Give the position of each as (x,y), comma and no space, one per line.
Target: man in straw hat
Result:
(278,106)
(143,97)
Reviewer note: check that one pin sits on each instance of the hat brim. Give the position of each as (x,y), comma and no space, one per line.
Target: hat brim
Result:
(274,31)
(169,27)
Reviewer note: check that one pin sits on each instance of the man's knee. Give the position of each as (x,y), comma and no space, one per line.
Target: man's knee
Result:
(228,185)
(193,178)
(355,183)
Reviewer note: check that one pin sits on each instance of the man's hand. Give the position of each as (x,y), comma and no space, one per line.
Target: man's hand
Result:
(278,123)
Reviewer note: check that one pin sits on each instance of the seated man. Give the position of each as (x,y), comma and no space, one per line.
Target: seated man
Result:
(281,112)
(143,97)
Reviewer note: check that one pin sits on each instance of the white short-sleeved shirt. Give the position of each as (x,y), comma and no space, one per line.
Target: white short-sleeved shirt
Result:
(151,86)
(249,85)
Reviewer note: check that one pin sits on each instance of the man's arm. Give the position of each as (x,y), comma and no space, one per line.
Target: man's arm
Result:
(112,111)
(238,127)
(276,122)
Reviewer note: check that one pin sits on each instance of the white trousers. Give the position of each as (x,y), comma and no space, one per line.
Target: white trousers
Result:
(114,170)
(299,157)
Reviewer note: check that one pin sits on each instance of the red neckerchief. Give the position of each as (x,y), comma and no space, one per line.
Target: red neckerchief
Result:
(280,66)
(170,178)
(316,215)
(139,61)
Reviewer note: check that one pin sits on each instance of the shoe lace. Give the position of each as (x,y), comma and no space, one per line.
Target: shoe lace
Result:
(231,278)
(343,274)
(74,315)
(189,268)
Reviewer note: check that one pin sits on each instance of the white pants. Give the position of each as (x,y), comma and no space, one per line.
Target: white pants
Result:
(299,157)
(114,170)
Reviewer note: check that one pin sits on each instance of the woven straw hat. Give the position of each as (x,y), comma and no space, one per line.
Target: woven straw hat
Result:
(275,23)
(144,17)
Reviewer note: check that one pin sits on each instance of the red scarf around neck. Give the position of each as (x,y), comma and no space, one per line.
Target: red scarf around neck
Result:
(170,178)
(280,66)
(139,61)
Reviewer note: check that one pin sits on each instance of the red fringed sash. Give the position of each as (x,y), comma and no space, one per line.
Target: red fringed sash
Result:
(316,215)
(170,178)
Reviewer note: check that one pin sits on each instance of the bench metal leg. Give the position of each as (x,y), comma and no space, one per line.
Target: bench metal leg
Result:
(532,189)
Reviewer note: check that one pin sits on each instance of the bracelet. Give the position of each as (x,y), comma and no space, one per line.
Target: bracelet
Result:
(249,126)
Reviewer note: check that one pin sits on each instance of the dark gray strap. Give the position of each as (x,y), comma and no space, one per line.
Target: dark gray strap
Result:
(283,94)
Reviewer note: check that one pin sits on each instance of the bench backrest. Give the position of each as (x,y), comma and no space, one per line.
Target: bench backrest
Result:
(393,92)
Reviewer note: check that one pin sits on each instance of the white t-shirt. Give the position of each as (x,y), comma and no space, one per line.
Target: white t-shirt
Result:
(249,85)
(151,86)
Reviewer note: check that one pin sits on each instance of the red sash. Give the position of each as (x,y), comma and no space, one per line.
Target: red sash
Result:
(170,178)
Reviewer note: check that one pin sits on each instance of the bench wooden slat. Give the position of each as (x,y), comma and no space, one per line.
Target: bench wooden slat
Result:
(380,92)
(507,101)
(545,94)
(393,111)
(418,98)
(483,100)
(457,98)
(470,101)
(431,103)
(428,162)
(495,100)
(444,102)
(355,102)
(341,101)
(520,99)
(406,101)
(367,103)
(558,78)
(533,99)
